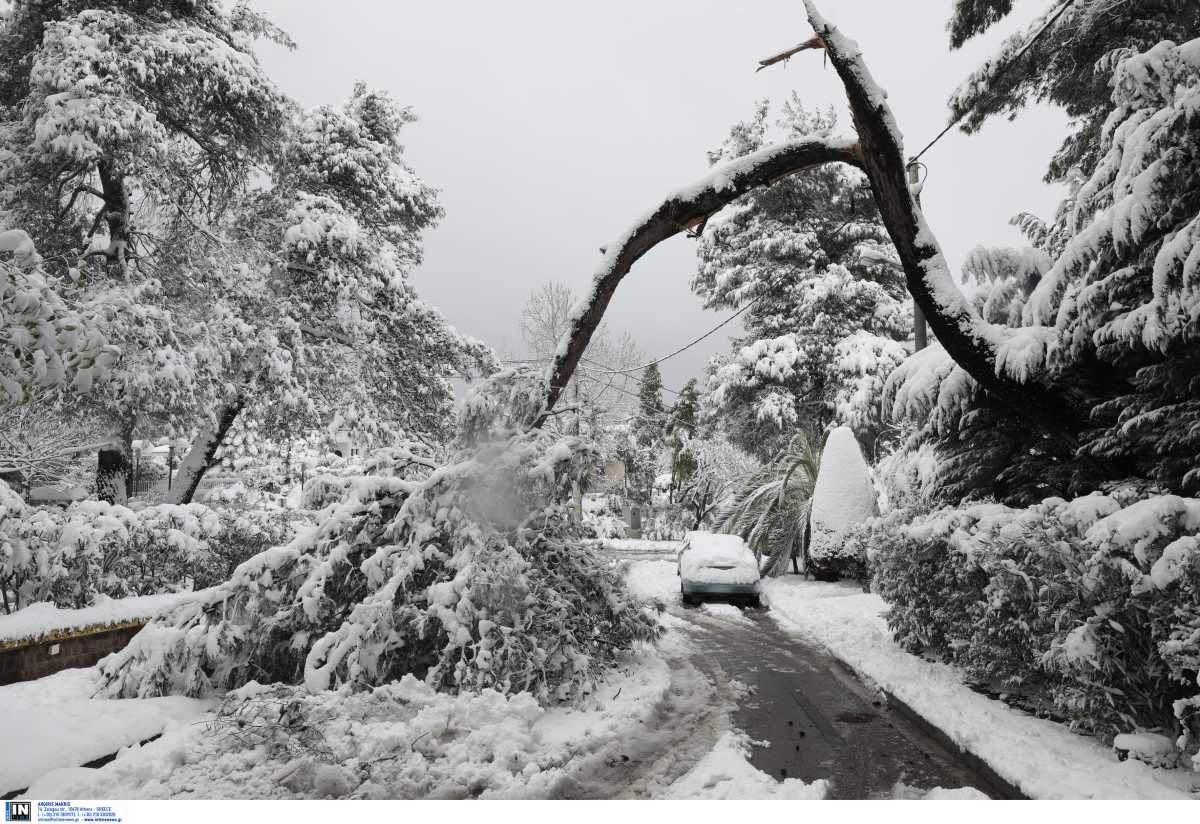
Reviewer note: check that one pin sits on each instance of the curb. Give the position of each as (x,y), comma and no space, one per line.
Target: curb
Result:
(1004,788)
(999,787)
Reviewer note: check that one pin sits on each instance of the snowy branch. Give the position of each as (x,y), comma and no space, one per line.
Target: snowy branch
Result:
(679,211)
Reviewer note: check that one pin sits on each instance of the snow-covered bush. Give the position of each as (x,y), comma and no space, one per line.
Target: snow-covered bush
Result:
(602,516)
(843,498)
(71,556)
(249,522)
(471,578)
(1090,608)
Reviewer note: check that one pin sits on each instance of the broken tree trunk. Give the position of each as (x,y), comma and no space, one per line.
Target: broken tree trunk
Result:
(967,337)
(200,455)
(878,151)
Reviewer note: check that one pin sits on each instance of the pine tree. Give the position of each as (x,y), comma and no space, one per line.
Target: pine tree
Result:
(824,323)
(1069,64)
(1106,307)
(681,427)
(645,437)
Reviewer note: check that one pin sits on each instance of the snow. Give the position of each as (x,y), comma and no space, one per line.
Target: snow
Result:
(42,618)
(654,579)
(400,740)
(1041,758)
(1155,750)
(724,612)
(726,773)
(713,558)
(638,545)
(60,725)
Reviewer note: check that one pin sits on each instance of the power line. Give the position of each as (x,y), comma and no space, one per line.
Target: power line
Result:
(999,73)
(688,346)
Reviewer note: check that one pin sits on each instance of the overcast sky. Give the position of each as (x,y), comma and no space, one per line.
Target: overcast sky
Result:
(549,126)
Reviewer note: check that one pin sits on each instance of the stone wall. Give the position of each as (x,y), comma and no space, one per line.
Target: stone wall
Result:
(32,658)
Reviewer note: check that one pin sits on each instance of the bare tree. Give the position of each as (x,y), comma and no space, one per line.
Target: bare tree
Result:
(604,387)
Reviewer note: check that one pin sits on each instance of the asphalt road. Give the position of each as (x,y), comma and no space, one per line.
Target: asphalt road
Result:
(819,720)
(815,718)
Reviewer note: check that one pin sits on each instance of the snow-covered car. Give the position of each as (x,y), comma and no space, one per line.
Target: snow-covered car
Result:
(715,564)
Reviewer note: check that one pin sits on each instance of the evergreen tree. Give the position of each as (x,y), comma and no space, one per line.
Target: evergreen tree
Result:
(1069,64)
(645,437)
(1106,307)
(681,427)
(825,323)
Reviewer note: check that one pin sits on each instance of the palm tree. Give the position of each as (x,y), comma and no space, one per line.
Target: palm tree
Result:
(771,512)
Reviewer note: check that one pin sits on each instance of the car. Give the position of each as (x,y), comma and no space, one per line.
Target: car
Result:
(711,563)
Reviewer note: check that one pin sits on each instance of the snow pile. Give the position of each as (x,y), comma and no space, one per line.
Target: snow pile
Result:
(713,558)
(725,612)
(844,497)
(1041,758)
(726,773)
(59,724)
(400,740)
(654,579)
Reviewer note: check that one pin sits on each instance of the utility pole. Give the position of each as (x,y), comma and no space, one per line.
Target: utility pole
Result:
(920,333)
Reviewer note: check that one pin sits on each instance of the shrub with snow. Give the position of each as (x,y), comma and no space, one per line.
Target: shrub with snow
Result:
(843,498)
(1089,608)
(70,556)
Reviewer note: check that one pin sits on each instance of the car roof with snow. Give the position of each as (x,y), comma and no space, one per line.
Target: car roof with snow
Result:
(714,541)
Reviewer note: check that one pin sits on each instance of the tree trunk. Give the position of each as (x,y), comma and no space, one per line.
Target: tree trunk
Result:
(116,212)
(199,458)
(967,338)
(114,467)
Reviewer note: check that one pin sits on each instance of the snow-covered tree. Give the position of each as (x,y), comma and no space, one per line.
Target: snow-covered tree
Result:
(470,574)
(1105,308)
(823,324)
(131,130)
(38,447)
(1064,56)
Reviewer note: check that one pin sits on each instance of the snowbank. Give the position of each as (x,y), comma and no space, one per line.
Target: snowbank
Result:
(59,724)
(1041,758)
(42,618)
(399,740)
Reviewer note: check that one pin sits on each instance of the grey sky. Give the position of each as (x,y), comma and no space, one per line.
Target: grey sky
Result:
(549,126)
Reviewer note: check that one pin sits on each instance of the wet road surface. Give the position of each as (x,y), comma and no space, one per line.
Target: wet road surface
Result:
(815,719)
(819,720)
